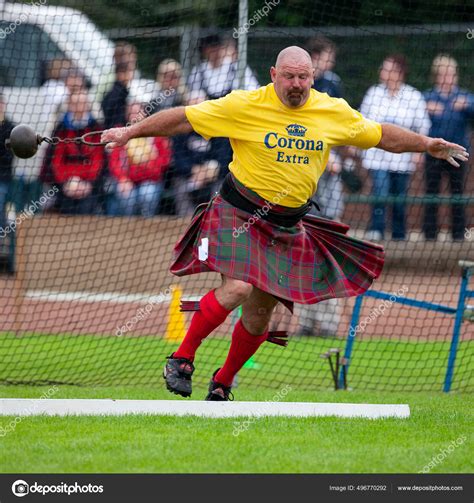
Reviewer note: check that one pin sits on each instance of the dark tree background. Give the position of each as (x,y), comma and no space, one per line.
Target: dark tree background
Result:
(136,13)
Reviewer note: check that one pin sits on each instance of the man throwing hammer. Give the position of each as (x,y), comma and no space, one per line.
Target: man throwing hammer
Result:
(255,231)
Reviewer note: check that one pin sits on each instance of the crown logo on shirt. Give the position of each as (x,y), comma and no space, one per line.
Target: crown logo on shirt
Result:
(296,130)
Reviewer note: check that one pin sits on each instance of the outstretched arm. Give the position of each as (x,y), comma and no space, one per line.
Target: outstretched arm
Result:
(397,139)
(168,122)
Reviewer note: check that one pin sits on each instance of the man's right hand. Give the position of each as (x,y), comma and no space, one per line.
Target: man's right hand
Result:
(116,137)
(169,122)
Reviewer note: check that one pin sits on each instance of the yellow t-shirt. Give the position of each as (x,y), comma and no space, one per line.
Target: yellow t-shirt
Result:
(280,152)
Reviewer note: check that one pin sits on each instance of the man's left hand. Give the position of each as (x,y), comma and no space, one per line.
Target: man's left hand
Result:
(442,149)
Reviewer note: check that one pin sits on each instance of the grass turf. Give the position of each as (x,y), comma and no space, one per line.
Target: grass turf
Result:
(168,444)
(157,444)
(376,364)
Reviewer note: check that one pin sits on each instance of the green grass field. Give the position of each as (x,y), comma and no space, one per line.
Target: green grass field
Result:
(167,444)
(156,444)
(377,364)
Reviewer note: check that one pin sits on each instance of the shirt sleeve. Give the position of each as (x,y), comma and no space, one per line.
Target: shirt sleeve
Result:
(355,129)
(213,118)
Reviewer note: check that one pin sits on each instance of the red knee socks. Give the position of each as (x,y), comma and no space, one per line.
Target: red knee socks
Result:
(204,321)
(243,346)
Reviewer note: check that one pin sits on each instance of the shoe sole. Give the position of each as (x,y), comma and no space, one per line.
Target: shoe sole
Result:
(207,399)
(175,391)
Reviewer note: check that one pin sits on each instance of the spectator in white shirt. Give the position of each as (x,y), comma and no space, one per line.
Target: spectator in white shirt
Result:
(217,76)
(396,102)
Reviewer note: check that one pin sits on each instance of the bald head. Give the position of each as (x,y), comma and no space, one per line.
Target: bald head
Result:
(293,76)
(293,55)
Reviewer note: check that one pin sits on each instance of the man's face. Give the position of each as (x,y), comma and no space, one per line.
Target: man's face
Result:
(292,81)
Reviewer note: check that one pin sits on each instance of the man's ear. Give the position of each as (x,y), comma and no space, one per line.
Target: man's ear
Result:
(273,73)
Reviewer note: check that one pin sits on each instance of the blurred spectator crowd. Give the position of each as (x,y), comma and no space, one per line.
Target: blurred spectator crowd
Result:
(151,176)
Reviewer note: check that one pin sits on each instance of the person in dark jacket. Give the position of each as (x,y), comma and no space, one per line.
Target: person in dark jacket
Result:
(114,104)
(6,160)
(76,168)
(196,166)
(323,56)
(217,76)
(451,109)
(323,318)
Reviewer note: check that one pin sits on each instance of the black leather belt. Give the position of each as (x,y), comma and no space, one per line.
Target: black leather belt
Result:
(288,219)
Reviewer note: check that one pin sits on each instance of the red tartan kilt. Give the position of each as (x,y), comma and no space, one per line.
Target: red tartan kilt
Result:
(313,261)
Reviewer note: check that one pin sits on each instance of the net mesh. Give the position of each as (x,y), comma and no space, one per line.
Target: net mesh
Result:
(87,236)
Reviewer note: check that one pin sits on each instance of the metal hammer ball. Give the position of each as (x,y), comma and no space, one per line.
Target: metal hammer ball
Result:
(23,141)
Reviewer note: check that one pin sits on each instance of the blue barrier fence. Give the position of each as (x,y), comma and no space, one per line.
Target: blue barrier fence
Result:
(465,293)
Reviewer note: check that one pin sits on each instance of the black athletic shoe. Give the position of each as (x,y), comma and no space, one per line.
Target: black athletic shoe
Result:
(218,392)
(177,374)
